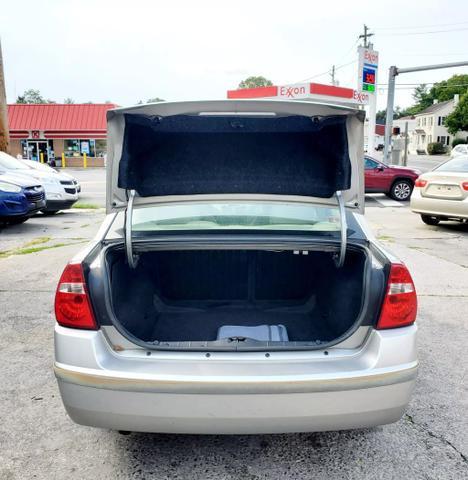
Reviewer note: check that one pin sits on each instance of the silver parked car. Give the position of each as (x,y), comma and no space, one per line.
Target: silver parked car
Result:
(234,286)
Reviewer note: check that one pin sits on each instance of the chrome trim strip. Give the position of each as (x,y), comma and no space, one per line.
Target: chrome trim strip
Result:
(96,379)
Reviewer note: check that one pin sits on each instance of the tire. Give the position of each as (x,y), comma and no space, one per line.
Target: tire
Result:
(428,220)
(401,190)
(49,212)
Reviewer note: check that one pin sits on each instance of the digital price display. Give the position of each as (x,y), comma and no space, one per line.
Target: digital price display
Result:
(368,79)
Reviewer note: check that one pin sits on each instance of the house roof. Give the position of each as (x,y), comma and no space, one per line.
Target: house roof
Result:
(90,117)
(434,108)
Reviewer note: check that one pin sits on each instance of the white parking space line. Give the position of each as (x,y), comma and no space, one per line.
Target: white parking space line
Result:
(382,201)
(388,202)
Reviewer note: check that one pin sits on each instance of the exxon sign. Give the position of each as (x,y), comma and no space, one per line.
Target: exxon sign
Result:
(304,91)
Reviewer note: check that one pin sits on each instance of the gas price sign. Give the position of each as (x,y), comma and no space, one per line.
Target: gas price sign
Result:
(368,66)
(368,79)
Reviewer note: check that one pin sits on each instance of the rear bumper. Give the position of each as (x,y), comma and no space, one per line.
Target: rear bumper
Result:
(237,392)
(438,206)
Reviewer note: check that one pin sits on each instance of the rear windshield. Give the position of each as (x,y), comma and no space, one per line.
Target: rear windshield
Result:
(236,215)
(459,164)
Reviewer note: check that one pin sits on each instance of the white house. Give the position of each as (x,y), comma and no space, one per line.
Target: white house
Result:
(430,126)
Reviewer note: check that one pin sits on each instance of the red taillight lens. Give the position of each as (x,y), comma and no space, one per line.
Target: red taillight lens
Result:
(465,186)
(72,305)
(400,304)
(420,183)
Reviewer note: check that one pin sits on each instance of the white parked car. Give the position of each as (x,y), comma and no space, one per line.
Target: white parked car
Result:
(442,194)
(62,190)
(461,149)
(234,286)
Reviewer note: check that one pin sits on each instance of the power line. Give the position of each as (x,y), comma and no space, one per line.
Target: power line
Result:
(421,26)
(329,71)
(337,67)
(345,64)
(428,83)
(353,46)
(412,88)
(313,76)
(422,33)
(430,54)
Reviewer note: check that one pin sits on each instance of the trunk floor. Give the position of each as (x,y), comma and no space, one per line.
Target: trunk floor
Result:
(204,325)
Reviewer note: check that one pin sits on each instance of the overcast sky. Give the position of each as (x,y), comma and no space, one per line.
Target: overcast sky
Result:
(98,50)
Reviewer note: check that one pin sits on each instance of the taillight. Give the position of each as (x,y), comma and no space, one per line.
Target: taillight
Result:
(400,304)
(465,186)
(72,305)
(420,183)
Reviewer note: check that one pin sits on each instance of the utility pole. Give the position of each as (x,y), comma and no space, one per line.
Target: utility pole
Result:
(332,75)
(365,36)
(392,73)
(4,132)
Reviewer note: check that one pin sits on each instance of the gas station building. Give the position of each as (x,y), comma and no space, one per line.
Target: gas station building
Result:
(44,131)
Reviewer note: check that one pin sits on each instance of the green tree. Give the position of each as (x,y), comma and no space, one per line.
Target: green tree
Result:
(253,82)
(422,96)
(398,112)
(69,101)
(447,89)
(381,116)
(32,96)
(155,100)
(458,119)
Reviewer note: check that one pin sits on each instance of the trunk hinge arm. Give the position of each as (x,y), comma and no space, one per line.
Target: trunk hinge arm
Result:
(132,258)
(340,258)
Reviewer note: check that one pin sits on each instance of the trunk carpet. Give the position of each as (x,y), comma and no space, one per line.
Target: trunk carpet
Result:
(203,325)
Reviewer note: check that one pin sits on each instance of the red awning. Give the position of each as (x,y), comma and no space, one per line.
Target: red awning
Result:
(59,120)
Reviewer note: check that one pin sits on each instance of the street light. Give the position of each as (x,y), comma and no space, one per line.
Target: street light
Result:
(392,73)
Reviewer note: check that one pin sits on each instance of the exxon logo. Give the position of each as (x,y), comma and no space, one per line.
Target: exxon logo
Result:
(299,90)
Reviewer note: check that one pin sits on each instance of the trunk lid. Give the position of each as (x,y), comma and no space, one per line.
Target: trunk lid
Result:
(235,149)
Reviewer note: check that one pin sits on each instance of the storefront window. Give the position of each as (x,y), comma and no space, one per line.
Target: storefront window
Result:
(76,148)
(72,148)
(101,148)
(87,146)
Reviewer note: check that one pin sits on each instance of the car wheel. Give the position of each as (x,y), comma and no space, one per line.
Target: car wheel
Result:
(401,190)
(49,212)
(428,220)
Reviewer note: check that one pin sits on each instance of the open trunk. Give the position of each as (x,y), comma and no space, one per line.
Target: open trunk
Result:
(190,295)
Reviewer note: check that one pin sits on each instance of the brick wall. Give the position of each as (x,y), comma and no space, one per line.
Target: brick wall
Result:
(78,161)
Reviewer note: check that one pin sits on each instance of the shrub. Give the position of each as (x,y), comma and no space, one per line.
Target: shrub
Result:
(435,148)
(458,141)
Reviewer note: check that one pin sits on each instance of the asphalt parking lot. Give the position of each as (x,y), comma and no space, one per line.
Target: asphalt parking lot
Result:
(37,439)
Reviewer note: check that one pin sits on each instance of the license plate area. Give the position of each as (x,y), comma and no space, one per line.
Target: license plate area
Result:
(443,191)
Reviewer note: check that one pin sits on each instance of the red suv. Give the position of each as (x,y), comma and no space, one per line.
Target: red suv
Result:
(396,182)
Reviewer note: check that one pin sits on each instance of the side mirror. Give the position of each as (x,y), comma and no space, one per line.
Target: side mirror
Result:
(379,168)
